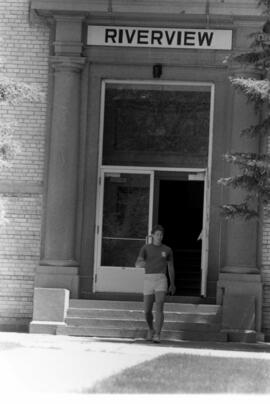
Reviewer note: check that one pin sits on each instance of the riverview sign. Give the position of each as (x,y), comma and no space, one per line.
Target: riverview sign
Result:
(159,37)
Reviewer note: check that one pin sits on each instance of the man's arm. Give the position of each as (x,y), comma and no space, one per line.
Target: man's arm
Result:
(140,261)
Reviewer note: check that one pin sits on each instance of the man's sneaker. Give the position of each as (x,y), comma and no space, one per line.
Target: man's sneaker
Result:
(156,339)
(150,335)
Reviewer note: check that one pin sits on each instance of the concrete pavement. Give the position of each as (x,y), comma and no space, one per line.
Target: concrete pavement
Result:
(38,364)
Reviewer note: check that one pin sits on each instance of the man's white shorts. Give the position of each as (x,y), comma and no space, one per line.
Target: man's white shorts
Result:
(154,283)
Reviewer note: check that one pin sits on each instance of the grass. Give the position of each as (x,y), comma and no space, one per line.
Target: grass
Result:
(185,373)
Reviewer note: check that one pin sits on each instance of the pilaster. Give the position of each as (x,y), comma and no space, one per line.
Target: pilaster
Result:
(241,236)
(59,265)
(240,278)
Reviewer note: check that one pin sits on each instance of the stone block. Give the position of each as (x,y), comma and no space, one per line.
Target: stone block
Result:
(245,285)
(238,312)
(50,304)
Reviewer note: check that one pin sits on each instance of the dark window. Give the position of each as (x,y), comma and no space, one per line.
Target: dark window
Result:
(156,126)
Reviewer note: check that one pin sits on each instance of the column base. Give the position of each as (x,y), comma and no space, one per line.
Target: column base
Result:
(237,290)
(62,277)
(44,327)
(245,336)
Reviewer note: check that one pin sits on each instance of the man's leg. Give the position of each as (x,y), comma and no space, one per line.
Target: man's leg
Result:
(159,314)
(148,307)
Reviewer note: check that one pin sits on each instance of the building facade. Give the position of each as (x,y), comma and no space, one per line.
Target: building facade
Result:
(139,113)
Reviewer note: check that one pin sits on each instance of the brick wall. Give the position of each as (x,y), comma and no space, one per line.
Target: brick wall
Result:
(266,269)
(266,275)
(24,55)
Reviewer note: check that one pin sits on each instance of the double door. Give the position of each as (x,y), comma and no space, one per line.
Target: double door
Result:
(130,201)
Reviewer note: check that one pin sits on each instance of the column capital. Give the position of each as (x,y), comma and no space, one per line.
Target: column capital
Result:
(67,63)
(68,35)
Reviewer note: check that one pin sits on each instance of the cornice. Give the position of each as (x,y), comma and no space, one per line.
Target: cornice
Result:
(158,7)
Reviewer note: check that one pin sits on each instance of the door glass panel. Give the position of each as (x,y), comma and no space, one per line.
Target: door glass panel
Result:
(125,218)
(157,125)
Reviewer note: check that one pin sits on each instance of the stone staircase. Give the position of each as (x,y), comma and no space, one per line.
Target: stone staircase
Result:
(125,319)
(187,265)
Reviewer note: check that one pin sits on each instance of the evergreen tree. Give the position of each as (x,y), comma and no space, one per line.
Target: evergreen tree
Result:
(253,169)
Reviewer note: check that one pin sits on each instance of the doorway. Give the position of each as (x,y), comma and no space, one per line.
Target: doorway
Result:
(131,201)
(154,140)
(179,209)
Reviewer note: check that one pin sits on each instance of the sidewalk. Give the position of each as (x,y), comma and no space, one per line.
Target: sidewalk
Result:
(49,364)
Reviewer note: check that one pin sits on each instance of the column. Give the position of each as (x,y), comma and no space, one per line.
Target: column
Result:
(60,222)
(240,277)
(241,238)
(59,266)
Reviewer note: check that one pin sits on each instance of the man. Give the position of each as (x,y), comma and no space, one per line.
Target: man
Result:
(156,258)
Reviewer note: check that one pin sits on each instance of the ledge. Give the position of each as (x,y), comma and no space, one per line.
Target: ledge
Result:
(212,7)
(239,270)
(241,277)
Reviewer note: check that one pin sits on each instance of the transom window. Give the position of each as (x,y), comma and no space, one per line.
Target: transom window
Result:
(156,125)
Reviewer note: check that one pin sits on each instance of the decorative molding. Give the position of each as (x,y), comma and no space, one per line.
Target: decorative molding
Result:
(67,63)
(172,57)
(163,20)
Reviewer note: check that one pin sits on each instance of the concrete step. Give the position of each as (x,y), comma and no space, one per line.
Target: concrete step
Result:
(139,324)
(125,319)
(169,335)
(138,305)
(139,315)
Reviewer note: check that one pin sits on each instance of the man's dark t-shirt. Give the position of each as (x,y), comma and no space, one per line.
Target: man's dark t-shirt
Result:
(156,258)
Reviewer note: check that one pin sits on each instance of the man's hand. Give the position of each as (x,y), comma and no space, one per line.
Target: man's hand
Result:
(172,289)
(140,263)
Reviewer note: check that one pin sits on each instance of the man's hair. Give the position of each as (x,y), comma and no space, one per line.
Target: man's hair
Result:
(157,227)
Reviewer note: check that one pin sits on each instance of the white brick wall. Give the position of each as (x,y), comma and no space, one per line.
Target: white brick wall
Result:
(24,54)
